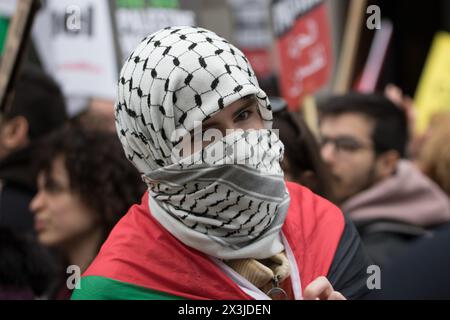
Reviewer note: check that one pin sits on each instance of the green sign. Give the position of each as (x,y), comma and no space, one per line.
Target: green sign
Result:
(164,3)
(136,4)
(4,22)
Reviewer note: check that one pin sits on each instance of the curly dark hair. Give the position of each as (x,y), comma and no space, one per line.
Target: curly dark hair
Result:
(97,168)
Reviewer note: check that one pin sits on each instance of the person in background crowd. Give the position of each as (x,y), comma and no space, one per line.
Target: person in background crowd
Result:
(85,183)
(37,109)
(302,162)
(363,141)
(228,229)
(434,156)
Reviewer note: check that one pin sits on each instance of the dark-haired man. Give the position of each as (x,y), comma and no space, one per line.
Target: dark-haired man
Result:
(364,138)
(37,109)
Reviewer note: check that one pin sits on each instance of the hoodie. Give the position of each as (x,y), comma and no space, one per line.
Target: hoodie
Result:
(408,196)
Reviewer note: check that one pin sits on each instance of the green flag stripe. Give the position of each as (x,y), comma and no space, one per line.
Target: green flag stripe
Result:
(101,288)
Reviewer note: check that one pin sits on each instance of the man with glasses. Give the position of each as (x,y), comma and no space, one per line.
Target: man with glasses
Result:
(363,142)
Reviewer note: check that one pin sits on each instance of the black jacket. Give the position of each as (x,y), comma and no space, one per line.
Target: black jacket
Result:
(421,272)
(18,187)
(25,264)
(386,239)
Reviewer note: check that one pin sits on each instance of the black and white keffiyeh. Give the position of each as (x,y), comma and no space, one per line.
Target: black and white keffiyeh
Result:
(232,206)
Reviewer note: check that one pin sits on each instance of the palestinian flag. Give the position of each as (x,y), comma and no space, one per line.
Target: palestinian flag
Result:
(141,260)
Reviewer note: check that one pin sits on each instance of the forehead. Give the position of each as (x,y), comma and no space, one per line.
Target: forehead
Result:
(57,171)
(349,124)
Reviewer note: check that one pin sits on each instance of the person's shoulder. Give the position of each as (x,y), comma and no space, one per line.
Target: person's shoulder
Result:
(124,244)
(314,228)
(136,248)
(312,210)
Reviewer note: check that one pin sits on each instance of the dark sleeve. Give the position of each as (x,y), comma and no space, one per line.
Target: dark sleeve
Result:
(348,271)
(14,210)
(419,273)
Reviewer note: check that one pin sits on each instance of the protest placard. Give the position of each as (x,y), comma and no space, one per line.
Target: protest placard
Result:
(304,46)
(433,93)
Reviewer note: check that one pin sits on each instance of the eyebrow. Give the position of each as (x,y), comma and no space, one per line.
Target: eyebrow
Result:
(247,103)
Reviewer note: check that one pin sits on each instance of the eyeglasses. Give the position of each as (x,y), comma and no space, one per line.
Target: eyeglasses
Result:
(345,144)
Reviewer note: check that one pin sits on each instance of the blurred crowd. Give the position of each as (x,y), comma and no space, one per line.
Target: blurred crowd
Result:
(64,183)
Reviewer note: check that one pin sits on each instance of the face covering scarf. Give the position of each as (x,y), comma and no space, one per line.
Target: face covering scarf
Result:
(224,208)
(229,208)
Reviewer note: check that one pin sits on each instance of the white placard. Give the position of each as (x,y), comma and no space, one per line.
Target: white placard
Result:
(7,7)
(74,39)
(251,23)
(135,24)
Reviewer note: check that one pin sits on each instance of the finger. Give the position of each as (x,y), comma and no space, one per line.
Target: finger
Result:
(394,94)
(336,296)
(389,87)
(320,289)
(409,103)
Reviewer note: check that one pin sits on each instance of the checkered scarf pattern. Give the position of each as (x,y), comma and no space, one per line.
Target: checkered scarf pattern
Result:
(229,209)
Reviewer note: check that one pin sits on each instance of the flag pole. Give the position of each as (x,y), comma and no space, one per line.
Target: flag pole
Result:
(15,45)
(346,64)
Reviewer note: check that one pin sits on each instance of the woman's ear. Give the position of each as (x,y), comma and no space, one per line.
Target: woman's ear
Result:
(14,133)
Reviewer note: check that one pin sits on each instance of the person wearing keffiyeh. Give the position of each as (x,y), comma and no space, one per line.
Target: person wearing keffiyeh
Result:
(218,220)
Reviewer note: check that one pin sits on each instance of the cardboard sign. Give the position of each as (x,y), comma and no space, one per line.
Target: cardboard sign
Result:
(433,93)
(304,46)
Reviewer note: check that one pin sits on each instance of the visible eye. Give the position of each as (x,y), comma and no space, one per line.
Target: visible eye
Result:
(244,115)
(348,144)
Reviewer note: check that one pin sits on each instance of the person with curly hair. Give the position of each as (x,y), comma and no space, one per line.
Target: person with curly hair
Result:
(85,184)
